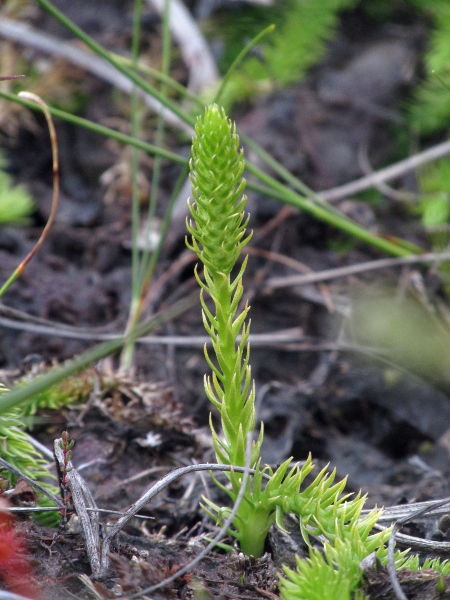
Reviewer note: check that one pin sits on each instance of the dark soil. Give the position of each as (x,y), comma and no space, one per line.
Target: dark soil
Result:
(379,418)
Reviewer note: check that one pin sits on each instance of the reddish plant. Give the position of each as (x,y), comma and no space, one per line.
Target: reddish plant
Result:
(16,573)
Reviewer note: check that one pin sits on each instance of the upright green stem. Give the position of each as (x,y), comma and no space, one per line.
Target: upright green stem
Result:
(127,354)
(218,234)
(143,262)
(148,259)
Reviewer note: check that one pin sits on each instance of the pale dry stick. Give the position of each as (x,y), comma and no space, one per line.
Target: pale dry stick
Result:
(384,188)
(288,339)
(4,595)
(291,280)
(106,511)
(391,562)
(419,544)
(222,531)
(405,512)
(203,72)
(273,256)
(285,336)
(29,36)
(392,172)
(400,511)
(14,313)
(83,499)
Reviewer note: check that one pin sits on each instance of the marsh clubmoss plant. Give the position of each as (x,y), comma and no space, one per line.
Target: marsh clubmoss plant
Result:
(218,235)
(217,229)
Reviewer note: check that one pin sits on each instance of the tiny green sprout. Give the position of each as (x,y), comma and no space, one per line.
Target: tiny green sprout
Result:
(441,586)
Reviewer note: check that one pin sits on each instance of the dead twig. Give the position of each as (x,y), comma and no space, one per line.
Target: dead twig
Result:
(284,336)
(397,525)
(203,72)
(393,172)
(383,188)
(433,508)
(27,509)
(4,595)
(291,280)
(82,500)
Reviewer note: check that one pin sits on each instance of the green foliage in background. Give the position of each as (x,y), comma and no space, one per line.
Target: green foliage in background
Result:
(16,448)
(15,202)
(434,202)
(72,390)
(299,41)
(429,110)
